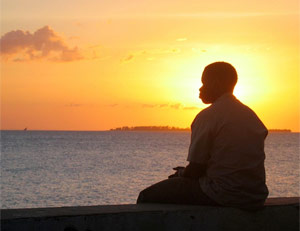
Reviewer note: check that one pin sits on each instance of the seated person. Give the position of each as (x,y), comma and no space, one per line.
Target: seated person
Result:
(226,154)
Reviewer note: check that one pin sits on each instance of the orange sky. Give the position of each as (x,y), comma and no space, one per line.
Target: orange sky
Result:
(105,64)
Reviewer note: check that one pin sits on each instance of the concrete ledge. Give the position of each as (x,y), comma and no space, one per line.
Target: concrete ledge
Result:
(278,214)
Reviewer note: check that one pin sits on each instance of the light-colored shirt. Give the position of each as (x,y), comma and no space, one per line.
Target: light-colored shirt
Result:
(228,138)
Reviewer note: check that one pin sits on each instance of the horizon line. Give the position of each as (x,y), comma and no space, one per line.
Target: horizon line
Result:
(113,129)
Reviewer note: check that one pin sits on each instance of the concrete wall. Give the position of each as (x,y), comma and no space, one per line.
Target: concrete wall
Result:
(278,214)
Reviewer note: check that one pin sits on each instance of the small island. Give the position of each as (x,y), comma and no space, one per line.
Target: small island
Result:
(176,129)
(280,130)
(150,128)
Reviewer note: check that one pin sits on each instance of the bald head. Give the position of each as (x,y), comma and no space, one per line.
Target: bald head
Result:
(218,78)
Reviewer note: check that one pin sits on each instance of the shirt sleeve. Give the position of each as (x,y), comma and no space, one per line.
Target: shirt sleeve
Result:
(201,140)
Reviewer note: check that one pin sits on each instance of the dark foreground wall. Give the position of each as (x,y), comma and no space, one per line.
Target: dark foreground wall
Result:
(279,214)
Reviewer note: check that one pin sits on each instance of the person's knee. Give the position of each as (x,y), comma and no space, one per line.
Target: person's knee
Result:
(157,193)
(141,197)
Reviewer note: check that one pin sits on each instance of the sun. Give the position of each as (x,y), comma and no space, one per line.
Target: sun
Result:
(241,92)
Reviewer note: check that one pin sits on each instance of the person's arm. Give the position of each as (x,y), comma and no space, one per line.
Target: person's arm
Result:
(178,170)
(200,146)
(192,170)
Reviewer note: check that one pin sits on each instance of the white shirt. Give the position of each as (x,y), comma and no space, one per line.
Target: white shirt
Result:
(228,137)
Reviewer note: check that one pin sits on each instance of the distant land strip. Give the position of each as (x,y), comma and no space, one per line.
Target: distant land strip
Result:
(280,130)
(150,128)
(168,128)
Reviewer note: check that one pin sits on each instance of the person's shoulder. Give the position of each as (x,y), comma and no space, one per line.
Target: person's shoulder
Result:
(245,107)
(250,115)
(204,115)
(205,112)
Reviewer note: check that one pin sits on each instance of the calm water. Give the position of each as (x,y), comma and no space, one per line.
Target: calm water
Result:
(42,168)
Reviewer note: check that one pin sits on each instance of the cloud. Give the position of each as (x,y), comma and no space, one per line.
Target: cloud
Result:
(163,105)
(175,106)
(149,105)
(191,108)
(128,58)
(112,105)
(73,105)
(44,43)
(150,54)
(197,50)
(181,39)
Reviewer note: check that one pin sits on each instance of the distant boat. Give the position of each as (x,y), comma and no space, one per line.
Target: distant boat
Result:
(25,129)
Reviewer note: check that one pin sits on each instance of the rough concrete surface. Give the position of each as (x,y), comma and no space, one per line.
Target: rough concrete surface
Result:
(278,214)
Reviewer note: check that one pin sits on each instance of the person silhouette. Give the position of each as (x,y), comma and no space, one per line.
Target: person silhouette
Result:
(226,153)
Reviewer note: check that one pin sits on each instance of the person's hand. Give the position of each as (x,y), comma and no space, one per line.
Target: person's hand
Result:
(178,170)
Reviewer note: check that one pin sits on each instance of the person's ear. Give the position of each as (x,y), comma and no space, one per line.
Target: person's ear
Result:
(218,85)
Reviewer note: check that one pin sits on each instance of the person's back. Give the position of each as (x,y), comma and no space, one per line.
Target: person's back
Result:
(235,174)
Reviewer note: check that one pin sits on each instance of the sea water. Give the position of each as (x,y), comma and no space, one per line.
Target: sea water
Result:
(57,168)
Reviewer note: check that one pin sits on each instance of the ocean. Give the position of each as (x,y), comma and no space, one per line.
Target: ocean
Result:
(72,168)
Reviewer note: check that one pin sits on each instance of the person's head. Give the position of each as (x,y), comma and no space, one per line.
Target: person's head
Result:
(217,78)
